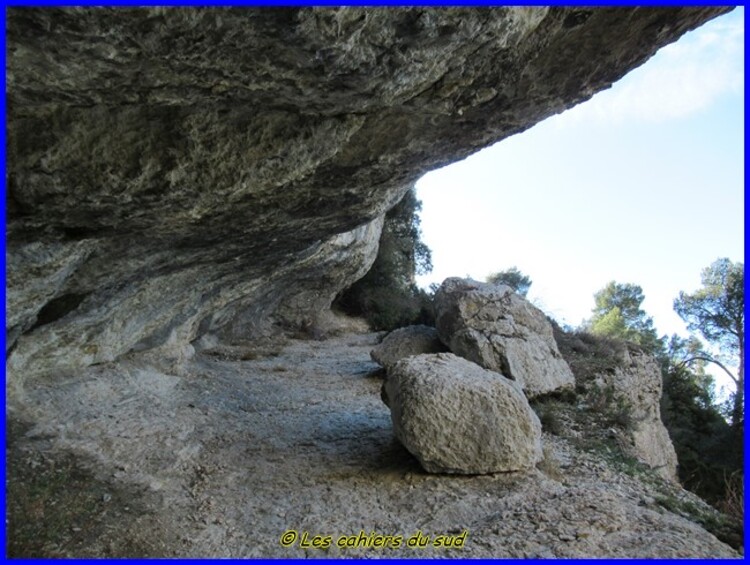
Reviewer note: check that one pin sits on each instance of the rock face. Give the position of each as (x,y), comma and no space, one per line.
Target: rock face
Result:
(501,331)
(456,417)
(167,311)
(179,171)
(637,381)
(619,382)
(404,342)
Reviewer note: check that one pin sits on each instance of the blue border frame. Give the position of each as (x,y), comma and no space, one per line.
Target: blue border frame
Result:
(352,3)
(277,4)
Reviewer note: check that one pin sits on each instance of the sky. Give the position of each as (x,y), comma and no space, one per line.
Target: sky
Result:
(643,183)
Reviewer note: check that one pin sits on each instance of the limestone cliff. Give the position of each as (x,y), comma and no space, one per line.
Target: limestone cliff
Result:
(620,381)
(173,172)
(638,382)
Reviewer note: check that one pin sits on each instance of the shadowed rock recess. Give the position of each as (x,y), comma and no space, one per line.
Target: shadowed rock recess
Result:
(179,172)
(188,190)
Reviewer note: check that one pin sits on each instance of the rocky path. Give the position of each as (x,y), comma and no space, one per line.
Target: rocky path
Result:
(245,447)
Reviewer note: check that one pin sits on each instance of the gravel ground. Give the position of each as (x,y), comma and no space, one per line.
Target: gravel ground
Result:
(247,445)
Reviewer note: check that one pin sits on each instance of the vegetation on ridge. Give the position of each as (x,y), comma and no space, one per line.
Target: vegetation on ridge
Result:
(513,278)
(707,435)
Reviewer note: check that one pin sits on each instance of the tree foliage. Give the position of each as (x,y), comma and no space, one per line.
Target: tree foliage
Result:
(717,312)
(709,450)
(513,278)
(617,313)
(387,295)
(401,240)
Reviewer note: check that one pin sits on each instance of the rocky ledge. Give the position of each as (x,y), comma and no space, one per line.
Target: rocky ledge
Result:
(176,173)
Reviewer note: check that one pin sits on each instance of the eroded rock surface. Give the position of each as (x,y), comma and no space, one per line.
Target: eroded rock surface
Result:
(637,381)
(500,330)
(456,417)
(179,171)
(623,383)
(405,342)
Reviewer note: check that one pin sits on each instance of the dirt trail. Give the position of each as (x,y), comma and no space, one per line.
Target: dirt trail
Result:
(245,445)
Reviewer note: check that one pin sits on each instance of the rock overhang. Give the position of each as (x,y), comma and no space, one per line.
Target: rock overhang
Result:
(175,171)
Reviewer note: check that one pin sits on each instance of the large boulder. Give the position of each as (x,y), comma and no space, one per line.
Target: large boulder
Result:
(498,329)
(456,417)
(404,342)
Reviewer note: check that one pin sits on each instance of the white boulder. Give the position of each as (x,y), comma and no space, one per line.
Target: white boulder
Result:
(404,342)
(501,331)
(456,417)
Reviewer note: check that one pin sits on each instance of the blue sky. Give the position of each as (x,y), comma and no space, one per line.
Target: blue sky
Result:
(644,183)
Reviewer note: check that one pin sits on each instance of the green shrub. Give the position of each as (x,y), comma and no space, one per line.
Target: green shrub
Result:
(709,449)
(614,409)
(390,307)
(549,413)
